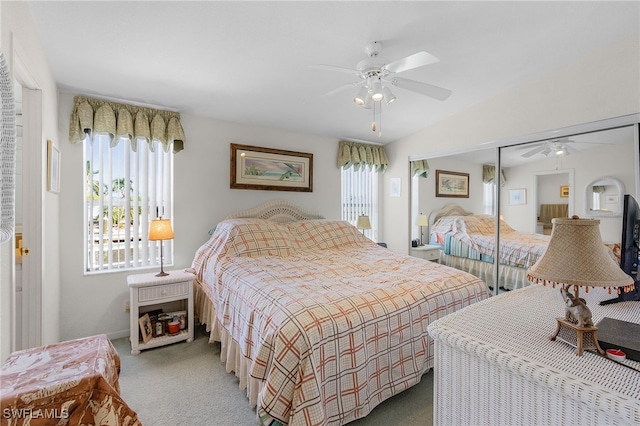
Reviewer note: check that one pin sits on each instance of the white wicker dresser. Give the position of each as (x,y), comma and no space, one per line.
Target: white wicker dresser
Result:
(494,365)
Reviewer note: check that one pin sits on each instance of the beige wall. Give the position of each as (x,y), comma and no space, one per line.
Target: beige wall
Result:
(603,85)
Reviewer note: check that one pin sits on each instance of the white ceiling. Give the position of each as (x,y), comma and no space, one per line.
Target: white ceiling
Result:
(249,62)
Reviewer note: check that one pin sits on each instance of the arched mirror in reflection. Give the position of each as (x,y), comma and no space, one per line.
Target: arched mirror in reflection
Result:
(541,180)
(604,197)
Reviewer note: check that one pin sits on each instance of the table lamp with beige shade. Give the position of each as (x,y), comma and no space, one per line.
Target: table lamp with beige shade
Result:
(363,223)
(159,230)
(577,257)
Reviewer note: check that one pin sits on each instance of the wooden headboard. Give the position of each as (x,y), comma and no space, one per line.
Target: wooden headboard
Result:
(276,210)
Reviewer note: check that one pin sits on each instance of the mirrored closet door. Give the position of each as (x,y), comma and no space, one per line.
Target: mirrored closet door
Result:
(541,179)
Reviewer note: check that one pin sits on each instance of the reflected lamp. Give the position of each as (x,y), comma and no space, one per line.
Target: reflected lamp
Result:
(422,221)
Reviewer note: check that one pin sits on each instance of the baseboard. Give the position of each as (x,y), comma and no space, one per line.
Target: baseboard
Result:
(118,334)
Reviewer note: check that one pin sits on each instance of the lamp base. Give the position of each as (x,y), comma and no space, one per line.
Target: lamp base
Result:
(581,338)
(162,274)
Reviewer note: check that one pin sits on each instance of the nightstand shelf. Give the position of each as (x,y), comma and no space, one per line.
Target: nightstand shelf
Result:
(427,252)
(147,291)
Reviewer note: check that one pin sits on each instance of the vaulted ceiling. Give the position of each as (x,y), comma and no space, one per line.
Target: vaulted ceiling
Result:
(252,62)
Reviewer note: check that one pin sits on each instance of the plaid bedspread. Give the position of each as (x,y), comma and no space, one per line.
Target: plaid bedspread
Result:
(474,237)
(332,323)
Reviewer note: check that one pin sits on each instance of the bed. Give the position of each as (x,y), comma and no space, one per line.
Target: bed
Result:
(467,242)
(319,323)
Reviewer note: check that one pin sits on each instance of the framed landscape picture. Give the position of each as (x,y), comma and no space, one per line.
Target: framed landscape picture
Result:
(254,167)
(452,184)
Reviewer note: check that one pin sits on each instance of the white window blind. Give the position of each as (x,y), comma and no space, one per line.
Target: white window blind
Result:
(360,197)
(124,191)
(488,198)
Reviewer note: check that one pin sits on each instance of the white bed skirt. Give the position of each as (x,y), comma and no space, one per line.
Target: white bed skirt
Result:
(229,351)
(511,278)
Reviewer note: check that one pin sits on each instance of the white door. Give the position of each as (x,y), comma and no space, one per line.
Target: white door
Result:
(27,286)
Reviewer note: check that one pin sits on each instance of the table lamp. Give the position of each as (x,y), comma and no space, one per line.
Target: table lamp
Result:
(422,221)
(577,257)
(363,223)
(160,230)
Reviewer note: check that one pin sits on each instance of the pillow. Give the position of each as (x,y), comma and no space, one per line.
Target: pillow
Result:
(324,234)
(255,237)
(447,224)
(483,224)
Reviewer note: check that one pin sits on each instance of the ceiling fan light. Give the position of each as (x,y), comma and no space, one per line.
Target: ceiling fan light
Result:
(376,91)
(388,95)
(361,97)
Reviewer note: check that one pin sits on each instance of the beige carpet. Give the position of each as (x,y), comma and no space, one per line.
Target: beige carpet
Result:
(186,384)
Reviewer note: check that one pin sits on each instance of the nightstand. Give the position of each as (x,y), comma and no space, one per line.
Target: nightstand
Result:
(148,293)
(427,252)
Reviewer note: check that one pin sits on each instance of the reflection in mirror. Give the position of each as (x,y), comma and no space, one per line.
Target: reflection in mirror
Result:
(540,178)
(604,197)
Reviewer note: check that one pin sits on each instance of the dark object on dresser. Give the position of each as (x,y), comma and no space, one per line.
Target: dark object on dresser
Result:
(623,335)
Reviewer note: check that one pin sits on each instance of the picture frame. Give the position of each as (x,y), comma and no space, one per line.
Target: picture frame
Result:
(452,184)
(395,187)
(564,191)
(145,328)
(254,167)
(53,167)
(158,328)
(517,197)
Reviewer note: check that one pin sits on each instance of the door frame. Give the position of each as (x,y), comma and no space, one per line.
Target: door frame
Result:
(32,204)
(536,176)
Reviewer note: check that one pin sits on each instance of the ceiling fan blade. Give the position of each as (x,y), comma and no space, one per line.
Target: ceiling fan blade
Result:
(529,146)
(533,152)
(343,88)
(436,92)
(416,60)
(334,68)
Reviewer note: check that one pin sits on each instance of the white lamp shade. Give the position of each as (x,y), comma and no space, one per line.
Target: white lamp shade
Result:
(388,95)
(376,91)
(160,229)
(361,97)
(363,222)
(422,220)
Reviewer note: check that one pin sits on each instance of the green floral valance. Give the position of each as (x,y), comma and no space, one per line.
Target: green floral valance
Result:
(94,116)
(420,168)
(361,155)
(489,175)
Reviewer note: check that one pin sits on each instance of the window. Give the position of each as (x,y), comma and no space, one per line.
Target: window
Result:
(124,190)
(360,197)
(489,198)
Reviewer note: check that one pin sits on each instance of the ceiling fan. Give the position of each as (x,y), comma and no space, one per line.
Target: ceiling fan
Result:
(377,73)
(554,148)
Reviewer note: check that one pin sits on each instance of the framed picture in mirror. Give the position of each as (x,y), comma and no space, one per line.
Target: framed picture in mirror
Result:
(517,197)
(452,184)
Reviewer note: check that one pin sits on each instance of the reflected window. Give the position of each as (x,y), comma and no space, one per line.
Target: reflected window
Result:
(489,198)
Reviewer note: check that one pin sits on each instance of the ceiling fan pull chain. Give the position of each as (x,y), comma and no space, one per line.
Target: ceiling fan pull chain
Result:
(373,123)
(380,121)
